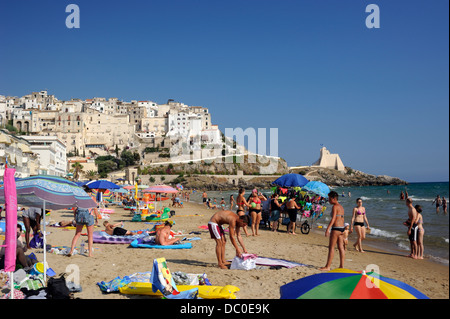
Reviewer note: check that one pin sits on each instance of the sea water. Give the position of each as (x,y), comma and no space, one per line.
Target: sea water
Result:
(385,213)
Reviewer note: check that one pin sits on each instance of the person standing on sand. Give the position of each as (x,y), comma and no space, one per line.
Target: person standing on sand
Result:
(420,232)
(241,202)
(335,231)
(84,217)
(31,218)
(275,209)
(232,201)
(235,222)
(292,210)
(255,211)
(358,219)
(412,227)
(205,197)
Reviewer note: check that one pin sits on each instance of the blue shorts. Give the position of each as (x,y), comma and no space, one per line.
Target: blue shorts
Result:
(274,215)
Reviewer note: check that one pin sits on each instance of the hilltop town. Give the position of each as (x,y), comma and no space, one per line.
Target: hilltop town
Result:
(94,138)
(143,141)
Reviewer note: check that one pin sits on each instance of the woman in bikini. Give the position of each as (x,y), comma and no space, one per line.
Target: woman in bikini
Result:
(420,231)
(242,203)
(358,219)
(255,210)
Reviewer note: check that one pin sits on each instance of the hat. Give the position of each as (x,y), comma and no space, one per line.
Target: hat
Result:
(254,190)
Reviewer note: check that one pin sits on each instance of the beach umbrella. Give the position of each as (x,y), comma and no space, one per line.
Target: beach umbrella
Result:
(49,192)
(10,197)
(128,187)
(120,191)
(102,184)
(348,284)
(142,186)
(291,180)
(160,189)
(318,188)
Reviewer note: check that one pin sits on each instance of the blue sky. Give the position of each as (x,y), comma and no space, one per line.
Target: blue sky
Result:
(311,68)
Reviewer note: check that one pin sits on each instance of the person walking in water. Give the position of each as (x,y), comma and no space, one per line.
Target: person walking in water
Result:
(335,231)
(358,219)
(438,202)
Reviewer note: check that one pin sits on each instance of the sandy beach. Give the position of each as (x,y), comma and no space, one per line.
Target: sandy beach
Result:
(110,261)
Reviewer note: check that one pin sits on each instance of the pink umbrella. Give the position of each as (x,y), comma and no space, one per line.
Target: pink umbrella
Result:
(160,189)
(11,223)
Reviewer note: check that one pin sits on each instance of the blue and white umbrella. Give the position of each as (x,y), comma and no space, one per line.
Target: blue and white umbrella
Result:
(318,188)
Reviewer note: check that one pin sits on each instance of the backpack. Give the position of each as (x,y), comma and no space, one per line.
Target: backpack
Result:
(57,288)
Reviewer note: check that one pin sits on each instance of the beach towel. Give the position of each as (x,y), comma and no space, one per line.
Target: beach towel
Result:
(114,285)
(270,262)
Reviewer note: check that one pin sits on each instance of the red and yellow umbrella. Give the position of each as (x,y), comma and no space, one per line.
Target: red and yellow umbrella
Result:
(348,284)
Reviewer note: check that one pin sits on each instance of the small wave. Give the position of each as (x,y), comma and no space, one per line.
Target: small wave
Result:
(403,245)
(440,260)
(383,233)
(421,199)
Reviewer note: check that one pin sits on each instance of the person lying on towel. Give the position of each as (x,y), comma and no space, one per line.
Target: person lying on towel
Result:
(114,230)
(162,236)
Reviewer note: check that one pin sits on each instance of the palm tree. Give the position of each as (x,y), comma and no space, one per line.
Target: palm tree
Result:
(91,174)
(77,169)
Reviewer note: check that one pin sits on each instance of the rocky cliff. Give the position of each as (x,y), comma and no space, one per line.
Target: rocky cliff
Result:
(350,177)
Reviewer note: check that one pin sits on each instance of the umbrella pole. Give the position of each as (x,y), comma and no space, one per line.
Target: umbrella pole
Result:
(45,248)
(11,281)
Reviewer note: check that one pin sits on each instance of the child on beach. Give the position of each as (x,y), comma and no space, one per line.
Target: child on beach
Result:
(335,231)
(346,231)
(222,203)
(235,222)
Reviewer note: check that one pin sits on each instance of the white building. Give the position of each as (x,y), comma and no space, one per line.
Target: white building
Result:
(329,160)
(3,120)
(51,152)
(17,152)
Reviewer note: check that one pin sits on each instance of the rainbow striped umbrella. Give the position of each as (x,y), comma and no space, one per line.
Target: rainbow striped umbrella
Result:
(348,284)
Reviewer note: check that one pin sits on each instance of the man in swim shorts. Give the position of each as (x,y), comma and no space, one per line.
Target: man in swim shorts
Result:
(114,230)
(235,222)
(163,235)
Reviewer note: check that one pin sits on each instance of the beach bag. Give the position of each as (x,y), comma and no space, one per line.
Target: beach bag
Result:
(57,288)
(83,216)
(243,263)
(36,241)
